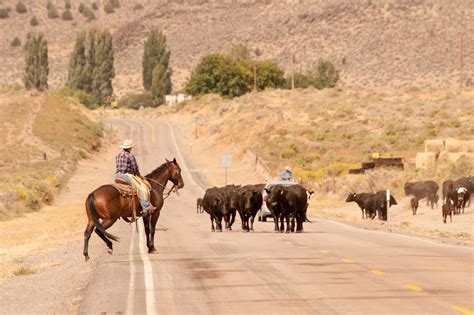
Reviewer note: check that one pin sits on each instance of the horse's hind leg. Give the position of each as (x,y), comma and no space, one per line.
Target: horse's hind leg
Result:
(154,220)
(87,236)
(105,239)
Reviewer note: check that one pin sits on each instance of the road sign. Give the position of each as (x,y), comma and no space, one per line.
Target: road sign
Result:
(226,160)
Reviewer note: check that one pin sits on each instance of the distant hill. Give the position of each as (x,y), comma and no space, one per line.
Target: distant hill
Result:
(395,43)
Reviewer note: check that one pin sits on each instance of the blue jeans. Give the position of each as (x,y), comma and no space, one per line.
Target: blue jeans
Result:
(143,202)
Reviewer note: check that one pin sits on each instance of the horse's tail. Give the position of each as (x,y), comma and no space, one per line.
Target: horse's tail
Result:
(95,217)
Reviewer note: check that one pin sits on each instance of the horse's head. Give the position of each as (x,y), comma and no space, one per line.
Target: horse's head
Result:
(175,173)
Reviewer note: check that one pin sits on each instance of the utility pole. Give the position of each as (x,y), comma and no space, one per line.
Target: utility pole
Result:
(255,78)
(461,61)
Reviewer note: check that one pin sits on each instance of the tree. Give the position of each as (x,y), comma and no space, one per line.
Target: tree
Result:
(21,8)
(91,67)
(156,53)
(109,8)
(217,73)
(34,21)
(4,14)
(269,74)
(36,62)
(324,74)
(158,84)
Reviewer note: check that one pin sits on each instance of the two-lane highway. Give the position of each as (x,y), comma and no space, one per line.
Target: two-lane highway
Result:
(331,268)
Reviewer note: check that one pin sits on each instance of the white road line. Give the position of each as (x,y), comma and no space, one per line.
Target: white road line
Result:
(147,273)
(184,166)
(131,286)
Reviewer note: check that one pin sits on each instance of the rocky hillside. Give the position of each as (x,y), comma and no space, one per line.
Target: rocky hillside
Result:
(394,43)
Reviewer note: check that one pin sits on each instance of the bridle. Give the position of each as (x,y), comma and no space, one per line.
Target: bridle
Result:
(173,189)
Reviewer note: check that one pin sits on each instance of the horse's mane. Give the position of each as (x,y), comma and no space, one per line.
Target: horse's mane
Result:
(157,170)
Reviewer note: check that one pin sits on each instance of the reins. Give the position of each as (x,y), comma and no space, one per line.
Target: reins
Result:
(172,189)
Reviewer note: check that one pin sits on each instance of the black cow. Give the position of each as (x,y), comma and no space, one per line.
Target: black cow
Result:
(214,203)
(231,204)
(461,196)
(361,200)
(433,201)
(448,209)
(291,202)
(421,189)
(249,202)
(446,189)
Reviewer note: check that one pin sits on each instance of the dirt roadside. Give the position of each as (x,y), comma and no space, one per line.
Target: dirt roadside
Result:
(427,222)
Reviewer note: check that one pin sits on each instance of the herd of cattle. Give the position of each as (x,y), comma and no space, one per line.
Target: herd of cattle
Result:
(456,194)
(290,203)
(284,202)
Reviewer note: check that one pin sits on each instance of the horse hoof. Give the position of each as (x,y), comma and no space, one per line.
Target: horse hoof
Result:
(110,251)
(87,258)
(152,251)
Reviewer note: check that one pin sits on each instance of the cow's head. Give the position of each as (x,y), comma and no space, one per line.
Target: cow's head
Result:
(351,197)
(277,192)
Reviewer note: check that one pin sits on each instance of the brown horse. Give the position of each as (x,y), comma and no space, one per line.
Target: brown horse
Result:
(105,205)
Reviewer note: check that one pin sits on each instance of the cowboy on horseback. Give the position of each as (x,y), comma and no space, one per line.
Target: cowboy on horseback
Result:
(127,171)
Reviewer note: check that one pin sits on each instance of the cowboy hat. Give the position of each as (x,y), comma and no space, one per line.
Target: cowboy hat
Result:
(127,144)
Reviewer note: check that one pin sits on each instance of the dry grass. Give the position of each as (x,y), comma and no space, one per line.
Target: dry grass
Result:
(36,125)
(23,271)
(375,43)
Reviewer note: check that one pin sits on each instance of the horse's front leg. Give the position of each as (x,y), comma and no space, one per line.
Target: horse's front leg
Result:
(151,244)
(146,224)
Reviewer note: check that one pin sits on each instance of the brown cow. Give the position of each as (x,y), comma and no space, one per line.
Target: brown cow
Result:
(448,209)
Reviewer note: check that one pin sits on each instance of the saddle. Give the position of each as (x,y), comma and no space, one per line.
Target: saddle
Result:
(124,189)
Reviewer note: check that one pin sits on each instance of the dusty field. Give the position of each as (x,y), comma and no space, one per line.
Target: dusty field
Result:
(374,43)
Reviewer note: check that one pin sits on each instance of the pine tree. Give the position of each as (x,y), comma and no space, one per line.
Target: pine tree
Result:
(91,67)
(156,53)
(36,63)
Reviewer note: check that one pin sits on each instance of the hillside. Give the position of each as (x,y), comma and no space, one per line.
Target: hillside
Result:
(324,133)
(43,136)
(375,43)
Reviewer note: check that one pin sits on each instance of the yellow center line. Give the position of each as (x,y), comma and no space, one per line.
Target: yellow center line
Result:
(287,242)
(378,272)
(464,310)
(348,260)
(152,132)
(324,251)
(414,287)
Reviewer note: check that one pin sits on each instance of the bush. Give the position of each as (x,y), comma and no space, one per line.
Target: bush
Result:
(109,8)
(324,74)
(67,5)
(4,13)
(115,3)
(34,21)
(15,42)
(53,12)
(67,15)
(21,8)
(89,14)
(135,101)
(137,7)
(95,6)
(83,97)
(81,8)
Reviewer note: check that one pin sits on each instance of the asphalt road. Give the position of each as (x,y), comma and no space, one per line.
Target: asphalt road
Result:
(331,268)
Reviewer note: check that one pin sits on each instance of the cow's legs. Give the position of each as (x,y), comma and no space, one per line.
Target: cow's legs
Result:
(212,224)
(252,218)
(275,221)
(288,227)
(282,223)
(227,221)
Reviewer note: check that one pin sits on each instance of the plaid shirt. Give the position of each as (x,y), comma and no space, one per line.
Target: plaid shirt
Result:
(126,163)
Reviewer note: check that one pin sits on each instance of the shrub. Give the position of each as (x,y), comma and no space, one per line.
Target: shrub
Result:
(109,8)
(95,6)
(89,14)
(287,153)
(67,5)
(34,21)
(135,101)
(324,74)
(52,12)
(83,97)
(49,5)
(15,42)
(67,15)
(137,7)
(4,13)
(115,3)
(21,8)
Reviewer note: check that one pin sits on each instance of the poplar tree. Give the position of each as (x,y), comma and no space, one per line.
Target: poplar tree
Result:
(36,62)
(91,67)
(156,53)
